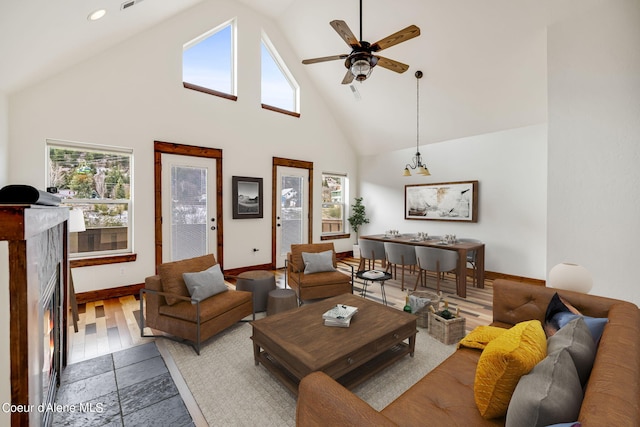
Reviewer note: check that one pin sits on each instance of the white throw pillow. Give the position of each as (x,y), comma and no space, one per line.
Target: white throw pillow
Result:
(204,284)
(318,262)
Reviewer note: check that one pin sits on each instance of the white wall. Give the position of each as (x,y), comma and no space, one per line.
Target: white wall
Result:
(511,169)
(594,142)
(132,95)
(4,139)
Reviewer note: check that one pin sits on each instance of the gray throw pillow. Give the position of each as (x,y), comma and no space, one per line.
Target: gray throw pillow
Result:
(204,284)
(575,336)
(551,393)
(318,262)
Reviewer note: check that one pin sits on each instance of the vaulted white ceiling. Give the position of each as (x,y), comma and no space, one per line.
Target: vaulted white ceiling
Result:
(484,62)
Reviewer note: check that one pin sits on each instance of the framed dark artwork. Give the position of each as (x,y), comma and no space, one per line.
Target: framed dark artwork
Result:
(445,201)
(247,197)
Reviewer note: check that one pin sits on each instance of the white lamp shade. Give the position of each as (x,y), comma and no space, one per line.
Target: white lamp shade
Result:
(572,277)
(76,221)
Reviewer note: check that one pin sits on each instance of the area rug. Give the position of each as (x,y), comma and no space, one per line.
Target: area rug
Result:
(232,391)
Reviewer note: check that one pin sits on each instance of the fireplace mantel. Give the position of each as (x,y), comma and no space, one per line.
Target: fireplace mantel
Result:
(36,255)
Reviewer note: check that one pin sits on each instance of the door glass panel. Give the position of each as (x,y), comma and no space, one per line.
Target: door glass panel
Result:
(188,212)
(292,203)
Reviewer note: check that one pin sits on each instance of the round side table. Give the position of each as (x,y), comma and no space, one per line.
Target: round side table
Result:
(281,300)
(260,283)
(366,278)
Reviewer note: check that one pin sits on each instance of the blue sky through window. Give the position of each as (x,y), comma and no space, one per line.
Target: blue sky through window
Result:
(207,63)
(277,91)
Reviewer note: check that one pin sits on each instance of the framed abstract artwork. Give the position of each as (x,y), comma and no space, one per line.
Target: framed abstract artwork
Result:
(445,201)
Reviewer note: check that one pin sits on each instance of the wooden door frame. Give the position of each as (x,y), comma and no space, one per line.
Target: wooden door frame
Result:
(301,164)
(160,148)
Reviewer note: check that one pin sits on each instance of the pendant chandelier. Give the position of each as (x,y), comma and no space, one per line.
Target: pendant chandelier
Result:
(421,168)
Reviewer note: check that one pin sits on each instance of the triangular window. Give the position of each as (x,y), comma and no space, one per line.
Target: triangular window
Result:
(279,90)
(208,62)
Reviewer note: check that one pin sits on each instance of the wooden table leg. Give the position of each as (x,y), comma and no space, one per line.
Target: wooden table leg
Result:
(412,344)
(256,353)
(461,279)
(480,267)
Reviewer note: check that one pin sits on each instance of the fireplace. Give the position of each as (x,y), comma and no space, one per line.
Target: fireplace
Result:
(51,321)
(36,255)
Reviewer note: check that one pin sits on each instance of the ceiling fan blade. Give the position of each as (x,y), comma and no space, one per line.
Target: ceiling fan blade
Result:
(324,59)
(401,36)
(344,31)
(392,65)
(348,78)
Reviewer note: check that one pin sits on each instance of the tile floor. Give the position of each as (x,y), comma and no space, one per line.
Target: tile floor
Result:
(130,387)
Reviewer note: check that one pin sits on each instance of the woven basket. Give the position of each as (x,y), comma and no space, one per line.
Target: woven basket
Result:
(448,331)
(423,320)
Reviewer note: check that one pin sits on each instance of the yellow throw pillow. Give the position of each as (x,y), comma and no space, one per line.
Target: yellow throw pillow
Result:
(481,336)
(502,363)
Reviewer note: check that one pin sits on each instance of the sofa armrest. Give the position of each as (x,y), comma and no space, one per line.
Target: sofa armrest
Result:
(353,273)
(322,401)
(168,294)
(346,264)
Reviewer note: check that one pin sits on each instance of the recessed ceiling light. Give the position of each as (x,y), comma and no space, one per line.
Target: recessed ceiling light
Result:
(94,16)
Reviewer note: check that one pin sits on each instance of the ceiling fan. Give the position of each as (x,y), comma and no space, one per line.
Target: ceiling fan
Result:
(361,60)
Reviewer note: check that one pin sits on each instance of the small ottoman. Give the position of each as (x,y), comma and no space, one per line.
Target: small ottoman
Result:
(281,300)
(260,283)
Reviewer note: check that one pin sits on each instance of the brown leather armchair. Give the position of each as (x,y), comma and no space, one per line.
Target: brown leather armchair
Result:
(316,285)
(170,309)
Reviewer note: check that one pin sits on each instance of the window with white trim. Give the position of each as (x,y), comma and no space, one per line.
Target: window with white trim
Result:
(96,179)
(208,61)
(278,87)
(334,187)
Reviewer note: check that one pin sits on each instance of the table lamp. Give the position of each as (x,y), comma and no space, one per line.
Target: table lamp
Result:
(572,277)
(76,221)
(76,225)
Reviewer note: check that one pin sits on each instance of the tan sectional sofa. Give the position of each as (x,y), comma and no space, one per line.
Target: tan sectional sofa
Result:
(445,396)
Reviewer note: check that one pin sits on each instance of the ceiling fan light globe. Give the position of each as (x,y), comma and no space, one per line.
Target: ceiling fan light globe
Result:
(361,69)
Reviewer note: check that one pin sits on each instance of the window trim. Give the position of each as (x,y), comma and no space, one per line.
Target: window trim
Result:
(279,110)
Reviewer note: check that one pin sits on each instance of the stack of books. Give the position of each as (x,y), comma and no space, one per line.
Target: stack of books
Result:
(373,274)
(340,315)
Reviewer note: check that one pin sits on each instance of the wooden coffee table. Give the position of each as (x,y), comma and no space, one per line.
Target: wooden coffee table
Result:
(295,343)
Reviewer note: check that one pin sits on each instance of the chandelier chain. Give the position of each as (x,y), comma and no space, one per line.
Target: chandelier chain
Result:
(418,115)
(417,159)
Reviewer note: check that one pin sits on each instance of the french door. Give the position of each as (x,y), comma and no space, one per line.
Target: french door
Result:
(189,216)
(188,202)
(292,206)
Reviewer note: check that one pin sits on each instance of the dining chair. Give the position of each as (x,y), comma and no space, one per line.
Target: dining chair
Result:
(471,256)
(400,254)
(436,260)
(370,252)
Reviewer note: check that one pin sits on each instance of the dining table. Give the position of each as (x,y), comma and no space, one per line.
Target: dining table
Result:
(461,247)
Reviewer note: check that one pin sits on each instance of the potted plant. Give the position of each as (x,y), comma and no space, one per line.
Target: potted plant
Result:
(357,218)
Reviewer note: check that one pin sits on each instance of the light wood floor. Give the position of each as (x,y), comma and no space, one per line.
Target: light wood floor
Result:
(110,325)
(105,327)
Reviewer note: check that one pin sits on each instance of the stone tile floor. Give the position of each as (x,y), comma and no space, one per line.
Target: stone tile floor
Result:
(130,387)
